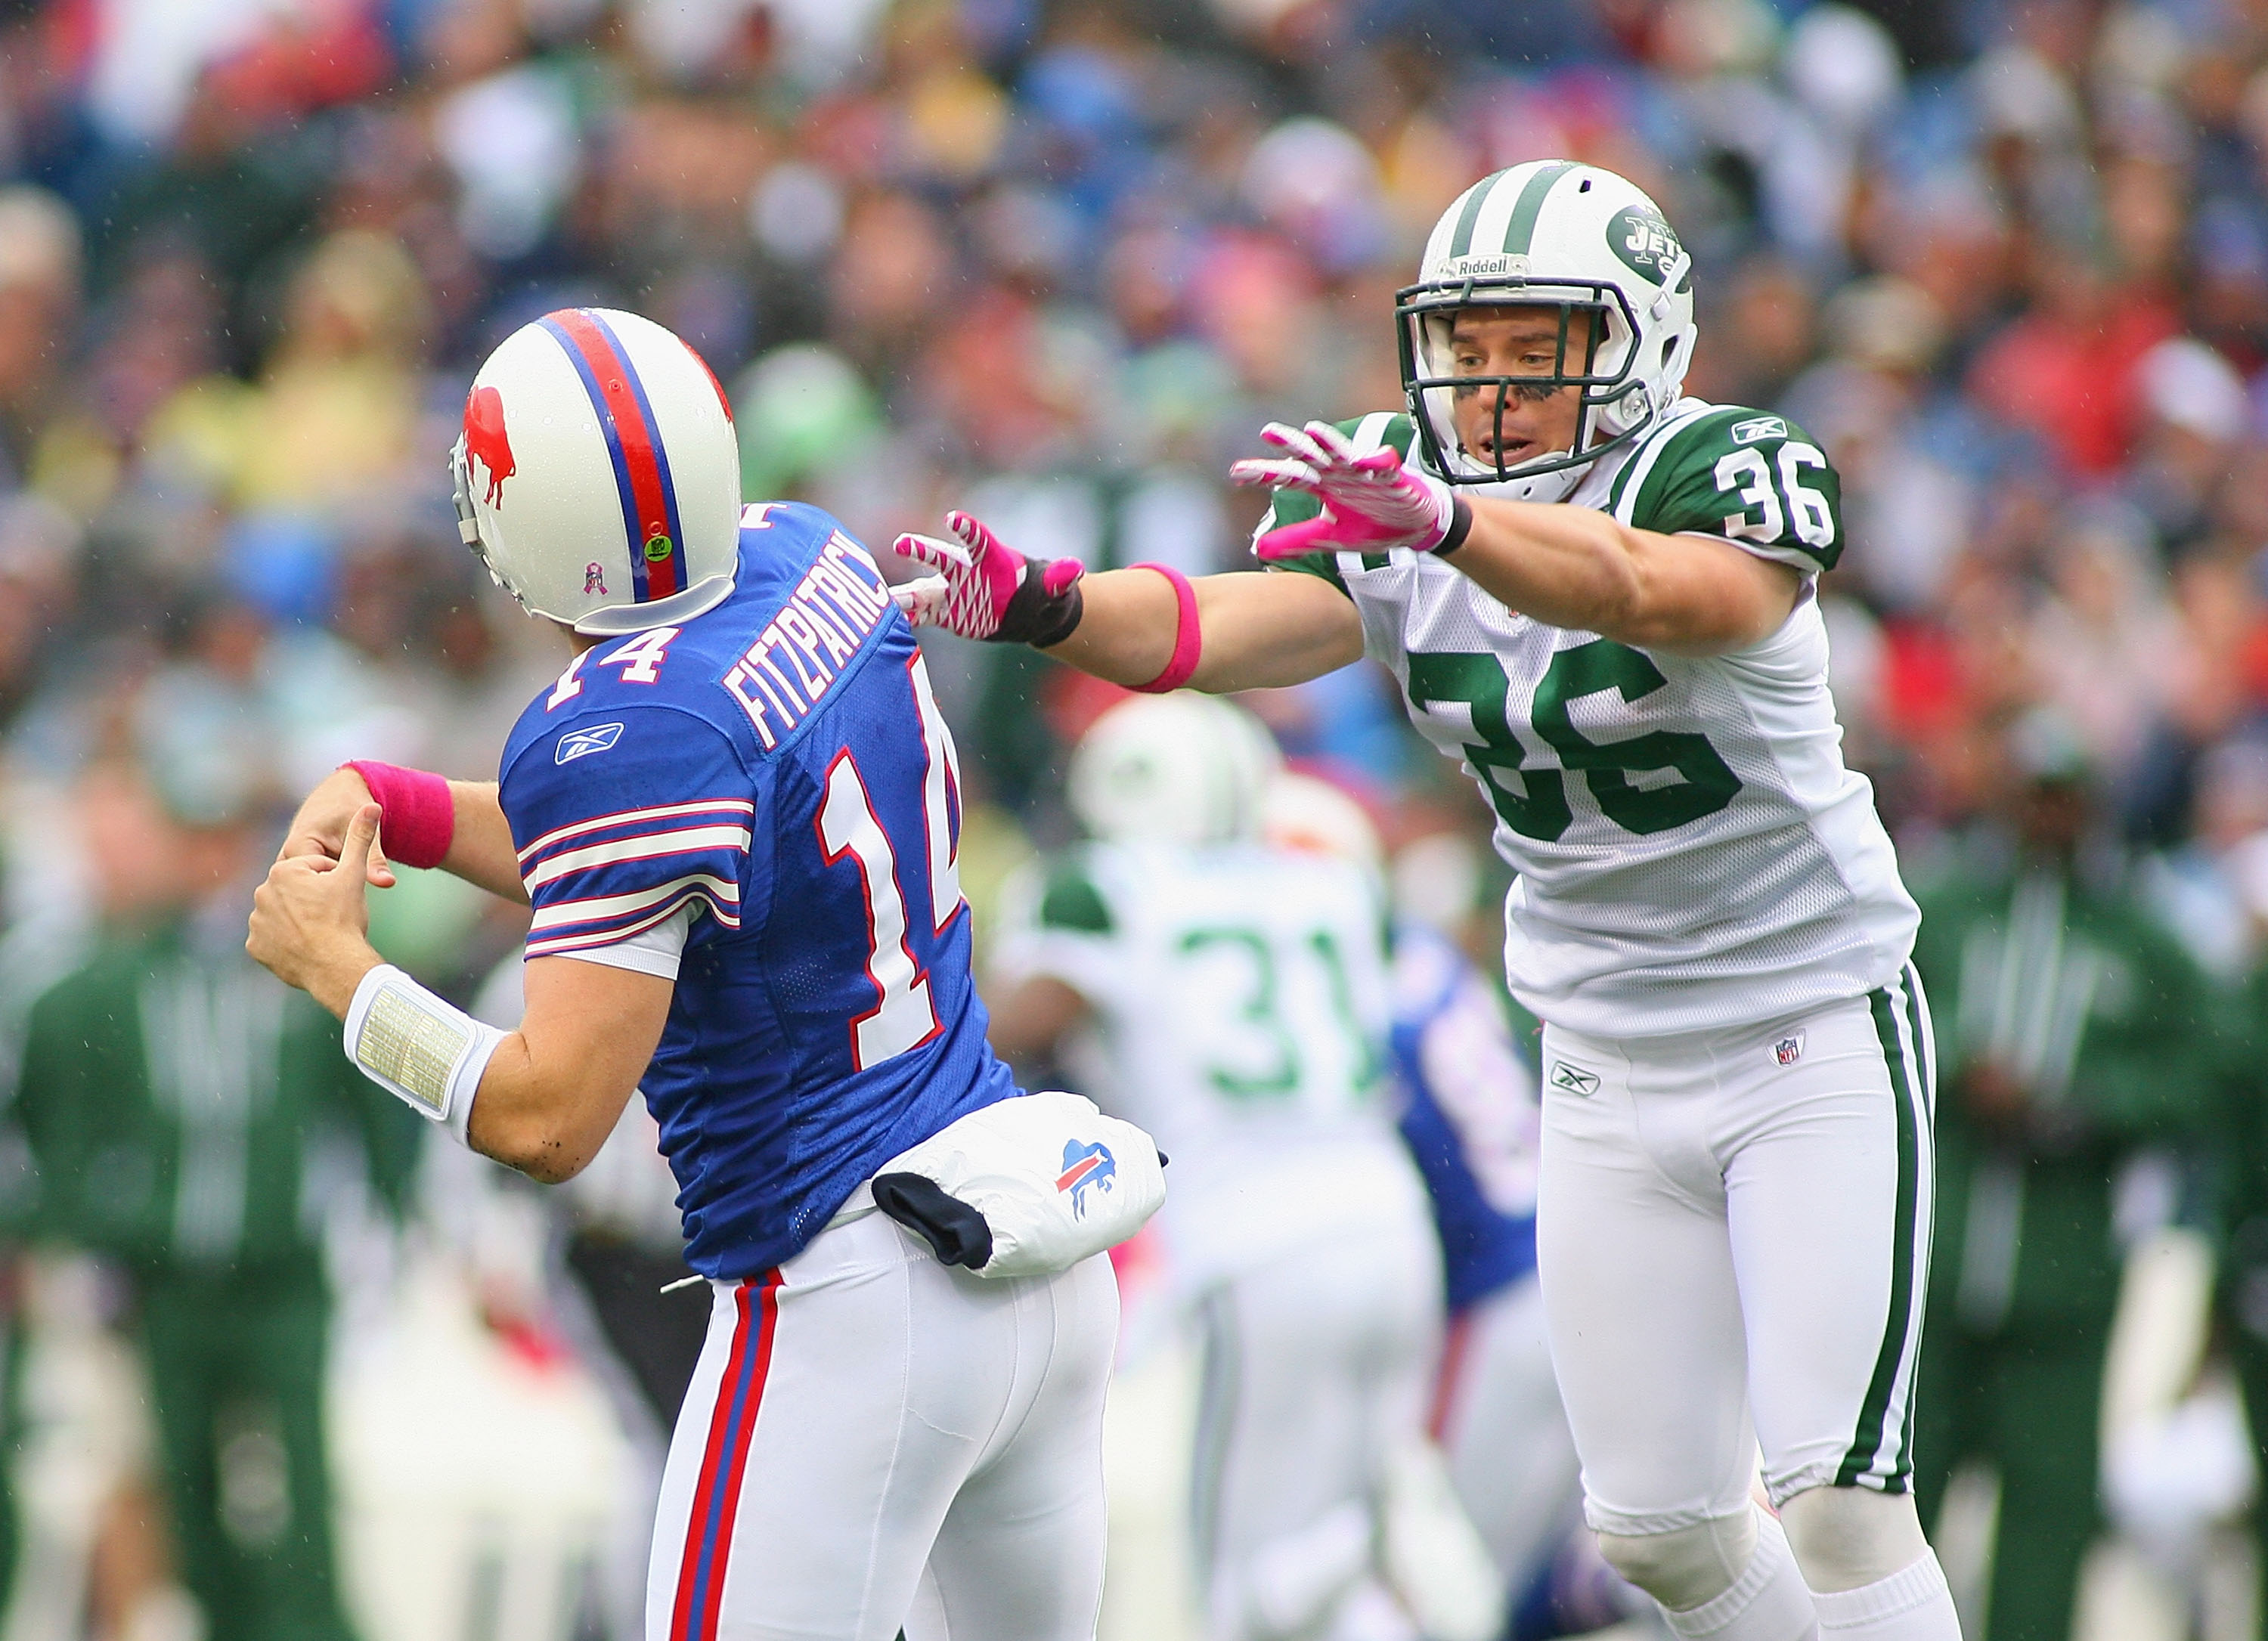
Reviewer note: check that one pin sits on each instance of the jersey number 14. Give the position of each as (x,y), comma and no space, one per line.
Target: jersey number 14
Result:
(904,1015)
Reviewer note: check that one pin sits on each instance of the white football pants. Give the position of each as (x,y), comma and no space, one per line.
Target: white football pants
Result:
(1498,1419)
(1733,1237)
(1316,1365)
(863,1413)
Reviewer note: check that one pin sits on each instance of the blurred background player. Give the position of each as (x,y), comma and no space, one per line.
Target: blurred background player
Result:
(2078,1063)
(1467,1097)
(732,818)
(192,1120)
(1234,998)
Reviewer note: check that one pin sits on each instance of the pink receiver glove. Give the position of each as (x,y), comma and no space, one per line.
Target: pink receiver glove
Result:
(980,587)
(1371,504)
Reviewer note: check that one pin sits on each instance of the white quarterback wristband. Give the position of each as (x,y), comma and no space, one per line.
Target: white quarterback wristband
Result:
(426,1053)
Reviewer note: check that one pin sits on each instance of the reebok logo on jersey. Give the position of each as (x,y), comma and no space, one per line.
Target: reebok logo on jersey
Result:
(1084,1166)
(578,743)
(1574,1079)
(1758,427)
(1788,1050)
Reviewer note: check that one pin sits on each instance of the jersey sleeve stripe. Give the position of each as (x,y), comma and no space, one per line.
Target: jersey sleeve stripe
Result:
(631,817)
(721,893)
(553,946)
(647,846)
(1641,468)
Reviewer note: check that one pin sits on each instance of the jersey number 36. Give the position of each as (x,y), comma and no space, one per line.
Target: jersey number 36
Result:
(1539,810)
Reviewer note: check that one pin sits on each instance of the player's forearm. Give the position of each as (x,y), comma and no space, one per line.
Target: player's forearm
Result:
(1255,631)
(544,1117)
(1125,631)
(480,848)
(1584,569)
(1571,567)
(553,1090)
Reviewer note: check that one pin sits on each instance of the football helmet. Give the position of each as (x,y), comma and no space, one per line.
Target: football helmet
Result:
(598,475)
(1307,815)
(1551,233)
(1184,769)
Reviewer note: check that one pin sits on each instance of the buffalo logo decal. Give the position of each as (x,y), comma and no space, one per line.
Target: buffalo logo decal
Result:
(485,441)
(1084,1166)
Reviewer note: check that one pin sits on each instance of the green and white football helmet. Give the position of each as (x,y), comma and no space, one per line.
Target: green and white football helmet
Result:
(1183,769)
(1551,233)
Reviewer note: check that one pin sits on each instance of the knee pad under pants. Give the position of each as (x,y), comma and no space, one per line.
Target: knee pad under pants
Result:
(1689,1567)
(1845,1538)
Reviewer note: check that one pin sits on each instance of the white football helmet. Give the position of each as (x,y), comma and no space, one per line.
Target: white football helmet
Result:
(1183,770)
(1551,233)
(1309,816)
(597,474)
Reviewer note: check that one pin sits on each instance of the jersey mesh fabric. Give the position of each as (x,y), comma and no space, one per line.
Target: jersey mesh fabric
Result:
(1778,890)
(661,773)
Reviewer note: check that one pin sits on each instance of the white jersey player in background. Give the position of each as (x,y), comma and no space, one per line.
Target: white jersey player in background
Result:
(1237,995)
(1467,1104)
(1598,596)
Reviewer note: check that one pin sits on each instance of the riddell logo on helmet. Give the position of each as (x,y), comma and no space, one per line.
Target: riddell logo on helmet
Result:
(1499,266)
(485,441)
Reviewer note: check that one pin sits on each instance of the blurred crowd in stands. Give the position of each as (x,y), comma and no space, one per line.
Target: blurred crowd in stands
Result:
(1056,261)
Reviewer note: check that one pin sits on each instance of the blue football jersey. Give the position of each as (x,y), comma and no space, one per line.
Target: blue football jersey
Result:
(1470,1115)
(778,766)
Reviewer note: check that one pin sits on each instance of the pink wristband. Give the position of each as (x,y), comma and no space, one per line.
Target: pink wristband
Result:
(1189,641)
(417,818)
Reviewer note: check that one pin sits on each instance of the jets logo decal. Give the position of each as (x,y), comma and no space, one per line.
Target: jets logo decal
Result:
(581,743)
(1644,243)
(1574,1079)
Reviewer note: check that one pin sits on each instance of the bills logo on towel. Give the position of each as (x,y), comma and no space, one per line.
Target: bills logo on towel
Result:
(1084,1166)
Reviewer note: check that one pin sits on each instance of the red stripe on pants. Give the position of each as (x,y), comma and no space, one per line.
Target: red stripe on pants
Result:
(721,1468)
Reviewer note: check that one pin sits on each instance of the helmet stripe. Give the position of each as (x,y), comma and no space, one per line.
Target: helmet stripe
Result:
(1521,229)
(675,564)
(1476,196)
(642,476)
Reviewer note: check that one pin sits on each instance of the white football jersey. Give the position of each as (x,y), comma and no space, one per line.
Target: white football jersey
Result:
(1692,853)
(1239,997)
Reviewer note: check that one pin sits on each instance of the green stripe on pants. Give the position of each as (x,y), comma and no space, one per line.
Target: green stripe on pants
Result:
(1874,1412)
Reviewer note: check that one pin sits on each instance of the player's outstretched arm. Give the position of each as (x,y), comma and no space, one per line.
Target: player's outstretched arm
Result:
(1579,568)
(1145,628)
(1567,566)
(479,847)
(1254,631)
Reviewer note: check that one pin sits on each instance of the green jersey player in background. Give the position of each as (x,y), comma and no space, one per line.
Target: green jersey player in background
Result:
(1599,595)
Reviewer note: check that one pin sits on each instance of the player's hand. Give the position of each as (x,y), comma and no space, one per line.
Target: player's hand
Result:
(310,924)
(320,828)
(980,587)
(1371,504)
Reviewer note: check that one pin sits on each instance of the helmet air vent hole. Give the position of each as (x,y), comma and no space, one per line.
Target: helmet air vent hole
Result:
(1584,186)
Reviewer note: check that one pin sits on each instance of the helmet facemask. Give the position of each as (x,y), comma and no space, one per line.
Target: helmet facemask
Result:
(1595,359)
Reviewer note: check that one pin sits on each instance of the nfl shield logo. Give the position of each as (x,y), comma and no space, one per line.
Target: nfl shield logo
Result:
(1788,1050)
